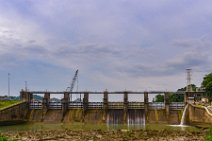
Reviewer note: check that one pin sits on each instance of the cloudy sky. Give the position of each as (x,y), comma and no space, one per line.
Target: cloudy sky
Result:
(116,44)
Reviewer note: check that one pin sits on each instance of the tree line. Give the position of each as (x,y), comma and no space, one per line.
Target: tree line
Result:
(206,85)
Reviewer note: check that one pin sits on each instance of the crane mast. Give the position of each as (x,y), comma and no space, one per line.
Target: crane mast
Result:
(72,84)
(74,81)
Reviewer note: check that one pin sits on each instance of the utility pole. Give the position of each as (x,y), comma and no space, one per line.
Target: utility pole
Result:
(8,84)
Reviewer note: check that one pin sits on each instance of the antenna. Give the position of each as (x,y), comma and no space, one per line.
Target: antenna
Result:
(188,87)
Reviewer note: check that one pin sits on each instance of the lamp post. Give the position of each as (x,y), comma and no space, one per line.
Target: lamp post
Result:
(8,84)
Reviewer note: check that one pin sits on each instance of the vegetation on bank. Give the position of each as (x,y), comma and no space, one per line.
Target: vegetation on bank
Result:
(7,103)
(207,84)
(209,135)
(2,138)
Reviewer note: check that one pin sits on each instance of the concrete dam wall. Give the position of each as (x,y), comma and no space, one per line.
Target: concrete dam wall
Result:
(112,117)
(14,113)
(21,112)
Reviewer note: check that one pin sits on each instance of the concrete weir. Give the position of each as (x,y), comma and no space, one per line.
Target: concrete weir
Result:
(125,112)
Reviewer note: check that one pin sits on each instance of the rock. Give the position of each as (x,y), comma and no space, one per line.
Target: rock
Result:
(24,139)
(124,130)
(99,136)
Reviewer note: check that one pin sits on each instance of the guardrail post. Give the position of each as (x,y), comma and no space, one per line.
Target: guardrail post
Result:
(85,104)
(125,107)
(45,104)
(146,106)
(65,102)
(167,104)
(46,100)
(105,105)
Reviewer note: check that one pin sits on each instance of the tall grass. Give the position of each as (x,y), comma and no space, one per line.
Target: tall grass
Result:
(209,135)
(7,103)
(2,138)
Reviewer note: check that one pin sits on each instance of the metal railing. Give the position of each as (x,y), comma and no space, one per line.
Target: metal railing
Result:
(115,105)
(111,105)
(75,105)
(95,105)
(177,105)
(35,105)
(156,105)
(55,105)
(135,105)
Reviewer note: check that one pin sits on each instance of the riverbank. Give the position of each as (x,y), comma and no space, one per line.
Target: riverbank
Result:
(103,132)
(112,135)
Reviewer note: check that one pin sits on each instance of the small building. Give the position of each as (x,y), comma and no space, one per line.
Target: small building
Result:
(2,98)
(204,100)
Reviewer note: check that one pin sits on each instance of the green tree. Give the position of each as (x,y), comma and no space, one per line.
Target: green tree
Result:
(193,86)
(176,98)
(158,98)
(207,84)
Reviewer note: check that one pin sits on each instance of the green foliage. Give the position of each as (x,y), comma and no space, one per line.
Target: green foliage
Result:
(176,98)
(7,103)
(207,84)
(2,138)
(159,98)
(172,98)
(209,135)
(193,86)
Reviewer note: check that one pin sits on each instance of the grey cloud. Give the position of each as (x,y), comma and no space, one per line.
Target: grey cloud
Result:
(195,61)
(202,42)
(89,49)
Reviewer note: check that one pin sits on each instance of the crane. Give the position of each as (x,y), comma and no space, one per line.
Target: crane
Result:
(73,83)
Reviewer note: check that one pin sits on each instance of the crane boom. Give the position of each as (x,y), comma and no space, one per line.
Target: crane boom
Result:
(74,81)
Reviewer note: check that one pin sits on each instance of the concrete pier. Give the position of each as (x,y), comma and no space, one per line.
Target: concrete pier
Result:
(167,103)
(85,103)
(105,105)
(125,107)
(146,103)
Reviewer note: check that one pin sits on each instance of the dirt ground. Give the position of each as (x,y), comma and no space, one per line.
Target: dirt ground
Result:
(100,135)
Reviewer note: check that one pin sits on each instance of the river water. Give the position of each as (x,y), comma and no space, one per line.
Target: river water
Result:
(81,126)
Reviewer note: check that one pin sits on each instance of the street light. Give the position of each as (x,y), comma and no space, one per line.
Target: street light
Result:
(8,84)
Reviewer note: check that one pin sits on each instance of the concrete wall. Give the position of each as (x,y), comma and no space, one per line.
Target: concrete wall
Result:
(20,112)
(35,115)
(198,115)
(159,116)
(15,112)
(75,115)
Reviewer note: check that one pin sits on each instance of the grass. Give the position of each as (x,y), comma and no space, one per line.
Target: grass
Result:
(209,135)
(2,138)
(7,103)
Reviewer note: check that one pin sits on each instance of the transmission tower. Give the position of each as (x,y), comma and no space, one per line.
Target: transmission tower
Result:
(188,87)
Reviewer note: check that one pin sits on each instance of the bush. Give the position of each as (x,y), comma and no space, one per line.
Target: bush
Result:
(2,138)
(209,135)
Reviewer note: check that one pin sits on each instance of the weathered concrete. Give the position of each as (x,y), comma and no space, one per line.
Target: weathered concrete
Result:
(53,116)
(94,116)
(175,117)
(74,115)
(105,106)
(197,114)
(160,116)
(15,112)
(35,115)
(125,107)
